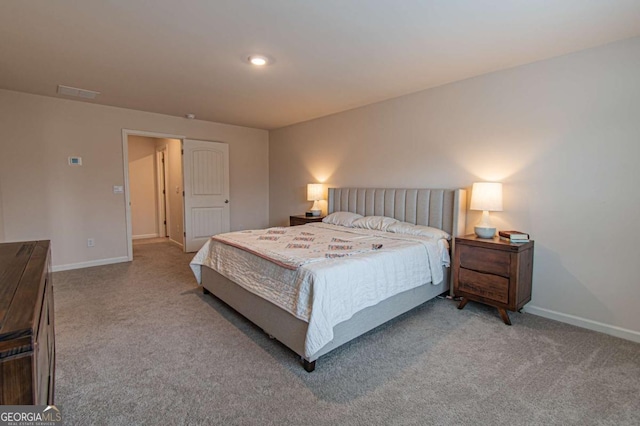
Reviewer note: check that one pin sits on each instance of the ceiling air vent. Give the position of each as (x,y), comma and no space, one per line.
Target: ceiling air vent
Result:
(78,93)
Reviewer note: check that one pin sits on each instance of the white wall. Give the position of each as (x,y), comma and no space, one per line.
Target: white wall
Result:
(142,187)
(563,135)
(44,198)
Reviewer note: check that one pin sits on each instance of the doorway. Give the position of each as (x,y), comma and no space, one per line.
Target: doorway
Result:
(153,188)
(148,183)
(189,176)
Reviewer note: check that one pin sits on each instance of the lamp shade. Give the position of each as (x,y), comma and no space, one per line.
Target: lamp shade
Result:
(486,196)
(314,192)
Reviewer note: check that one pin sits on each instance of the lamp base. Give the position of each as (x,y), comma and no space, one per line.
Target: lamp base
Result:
(483,232)
(315,209)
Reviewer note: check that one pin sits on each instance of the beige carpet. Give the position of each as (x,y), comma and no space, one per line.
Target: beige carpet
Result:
(138,343)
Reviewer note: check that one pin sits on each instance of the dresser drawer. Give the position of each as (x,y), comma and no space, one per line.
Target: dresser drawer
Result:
(485,260)
(488,286)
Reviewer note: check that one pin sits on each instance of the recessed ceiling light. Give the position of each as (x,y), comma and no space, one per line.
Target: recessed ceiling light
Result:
(258,60)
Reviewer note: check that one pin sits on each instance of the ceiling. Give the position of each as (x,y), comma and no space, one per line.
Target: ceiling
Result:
(178,57)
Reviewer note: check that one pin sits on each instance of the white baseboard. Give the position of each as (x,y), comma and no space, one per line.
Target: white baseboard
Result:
(143,236)
(176,243)
(89,264)
(612,330)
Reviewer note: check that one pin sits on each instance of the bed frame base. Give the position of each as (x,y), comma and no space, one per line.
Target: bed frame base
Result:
(292,331)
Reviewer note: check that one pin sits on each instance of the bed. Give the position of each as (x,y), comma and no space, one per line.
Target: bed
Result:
(437,208)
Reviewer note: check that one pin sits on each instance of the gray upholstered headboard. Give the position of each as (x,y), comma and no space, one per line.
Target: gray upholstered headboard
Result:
(440,208)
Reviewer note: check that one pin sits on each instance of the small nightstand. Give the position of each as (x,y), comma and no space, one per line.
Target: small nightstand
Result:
(494,272)
(301,219)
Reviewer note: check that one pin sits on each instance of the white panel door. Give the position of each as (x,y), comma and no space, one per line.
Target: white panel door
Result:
(205,166)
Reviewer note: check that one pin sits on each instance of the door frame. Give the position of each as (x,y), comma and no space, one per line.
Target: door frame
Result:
(125,170)
(162,188)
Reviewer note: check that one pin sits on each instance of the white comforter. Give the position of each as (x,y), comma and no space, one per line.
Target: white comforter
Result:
(327,292)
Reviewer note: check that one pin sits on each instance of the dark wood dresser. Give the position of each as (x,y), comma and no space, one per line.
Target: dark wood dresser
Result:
(27,341)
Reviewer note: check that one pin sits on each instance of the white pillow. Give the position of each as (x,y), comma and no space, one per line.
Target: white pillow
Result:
(378,223)
(341,218)
(425,231)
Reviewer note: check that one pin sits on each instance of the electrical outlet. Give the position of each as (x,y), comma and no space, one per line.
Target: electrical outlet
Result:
(91,242)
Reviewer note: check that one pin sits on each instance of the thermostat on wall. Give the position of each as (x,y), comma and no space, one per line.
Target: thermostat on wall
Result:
(75,161)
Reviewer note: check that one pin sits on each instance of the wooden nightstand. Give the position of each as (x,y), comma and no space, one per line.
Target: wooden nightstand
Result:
(494,272)
(301,219)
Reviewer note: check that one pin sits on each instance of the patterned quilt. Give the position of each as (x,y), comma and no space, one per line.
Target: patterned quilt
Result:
(294,246)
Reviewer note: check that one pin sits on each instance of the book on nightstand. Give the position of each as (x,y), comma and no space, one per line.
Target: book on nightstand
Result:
(514,236)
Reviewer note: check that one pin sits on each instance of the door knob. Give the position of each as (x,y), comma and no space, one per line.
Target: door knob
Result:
(226,201)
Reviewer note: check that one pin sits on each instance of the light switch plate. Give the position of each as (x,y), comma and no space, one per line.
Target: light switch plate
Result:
(118,189)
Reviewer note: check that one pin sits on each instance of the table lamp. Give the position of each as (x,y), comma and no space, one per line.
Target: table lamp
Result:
(315,194)
(486,196)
